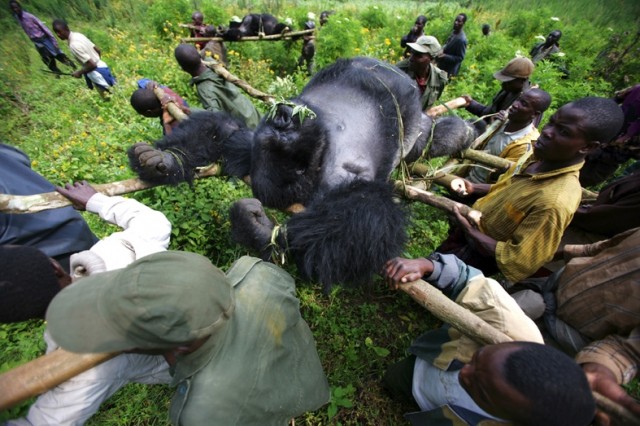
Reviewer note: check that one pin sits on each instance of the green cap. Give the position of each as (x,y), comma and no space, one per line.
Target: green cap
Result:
(158,302)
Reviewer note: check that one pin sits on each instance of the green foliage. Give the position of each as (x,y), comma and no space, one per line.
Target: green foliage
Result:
(374,17)
(341,37)
(165,15)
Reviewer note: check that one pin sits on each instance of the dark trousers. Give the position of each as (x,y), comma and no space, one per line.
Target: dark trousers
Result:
(398,379)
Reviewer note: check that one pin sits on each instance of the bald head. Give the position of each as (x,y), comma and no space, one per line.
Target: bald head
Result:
(540,99)
(188,58)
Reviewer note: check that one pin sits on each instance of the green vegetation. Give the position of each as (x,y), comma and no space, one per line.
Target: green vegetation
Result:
(70,134)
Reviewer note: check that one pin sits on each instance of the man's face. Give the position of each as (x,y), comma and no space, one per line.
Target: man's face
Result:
(458,23)
(483,379)
(15,8)
(553,37)
(197,18)
(418,26)
(564,137)
(419,60)
(524,108)
(63,33)
(514,85)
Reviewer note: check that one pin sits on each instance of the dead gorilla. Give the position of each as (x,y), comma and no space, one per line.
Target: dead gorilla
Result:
(337,164)
(254,24)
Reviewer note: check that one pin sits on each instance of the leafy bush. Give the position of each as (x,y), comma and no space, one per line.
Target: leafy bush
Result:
(165,15)
(374,17)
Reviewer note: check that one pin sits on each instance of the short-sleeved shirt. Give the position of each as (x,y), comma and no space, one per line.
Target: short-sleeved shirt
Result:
(83,49)
(527,214)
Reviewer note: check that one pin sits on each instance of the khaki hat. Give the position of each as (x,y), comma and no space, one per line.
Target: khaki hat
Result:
(235,18)
(158,302)
(516,68)
(426,44)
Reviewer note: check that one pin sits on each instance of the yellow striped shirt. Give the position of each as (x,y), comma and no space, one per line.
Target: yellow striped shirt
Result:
(527,214)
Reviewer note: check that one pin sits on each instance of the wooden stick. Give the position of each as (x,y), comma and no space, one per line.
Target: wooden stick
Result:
(437,110)
(412,192)
(478,142)
(17,204)
(219,69)
(283,36)
(44,373)
(173,109)
(450,312)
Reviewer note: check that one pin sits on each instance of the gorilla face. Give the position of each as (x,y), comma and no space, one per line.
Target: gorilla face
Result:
(287,158)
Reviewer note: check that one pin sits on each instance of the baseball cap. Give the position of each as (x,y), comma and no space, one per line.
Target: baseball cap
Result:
(160,301)
(516,68)
(426,44)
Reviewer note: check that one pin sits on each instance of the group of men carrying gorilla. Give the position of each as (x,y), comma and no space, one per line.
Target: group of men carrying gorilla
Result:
(332,149)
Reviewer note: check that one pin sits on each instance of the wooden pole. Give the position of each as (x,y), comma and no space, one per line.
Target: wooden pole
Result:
(173,109)
(17,204)
(437,110)
(219,69)
(43,373)
(283,36)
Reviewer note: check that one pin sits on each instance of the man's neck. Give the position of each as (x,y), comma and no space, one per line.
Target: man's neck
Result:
(542,166)
(514,126)
(424,73)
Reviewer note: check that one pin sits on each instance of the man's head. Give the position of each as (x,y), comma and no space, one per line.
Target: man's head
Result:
(162,301)
(146,103)
(553,37)
(423,51)
(577,128)
(61,29)
(188,58)
(529,384)
(15,8)
(197,18)
(28,282)
(529,105)
(418,26)
(515,74)
(486,29)
(459,22)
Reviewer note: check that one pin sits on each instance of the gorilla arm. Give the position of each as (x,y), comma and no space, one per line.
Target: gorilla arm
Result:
(199,141)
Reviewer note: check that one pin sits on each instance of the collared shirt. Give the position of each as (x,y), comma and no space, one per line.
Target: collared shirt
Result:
(217,94)
(34,27)
(527,214)
(507,145)
(433,86)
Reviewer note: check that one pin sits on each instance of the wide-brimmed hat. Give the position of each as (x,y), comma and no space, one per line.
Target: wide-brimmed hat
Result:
(158,302)
(426,44)
(516,68)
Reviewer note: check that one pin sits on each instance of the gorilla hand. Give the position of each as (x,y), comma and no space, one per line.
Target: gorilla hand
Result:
(150,163)
(250,226)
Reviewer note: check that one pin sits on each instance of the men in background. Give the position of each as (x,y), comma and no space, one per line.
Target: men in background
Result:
(514,78)
(525,213)
(413,35)
(215,93)
(451,377)
(58,233)
(517,134)
(95,71)
(144,231)
(308,48)
(198,28)
(486,29)
(548,47)
(429,78)
(240,350)
(147,104)
(455,48)
(42,37)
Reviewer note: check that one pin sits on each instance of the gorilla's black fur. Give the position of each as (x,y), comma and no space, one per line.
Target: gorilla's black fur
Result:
(254,24)
(332,149)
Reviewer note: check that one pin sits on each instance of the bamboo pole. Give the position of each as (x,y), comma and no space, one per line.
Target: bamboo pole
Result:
(437,110)
(17,204)
(43,373)
(469,324)
(219,69)
(283,36)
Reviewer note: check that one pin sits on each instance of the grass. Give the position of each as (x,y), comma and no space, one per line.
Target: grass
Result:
(70,134)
